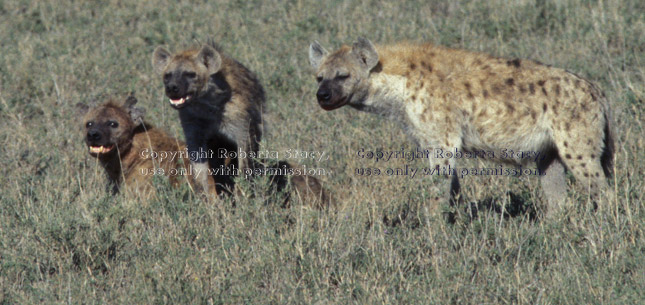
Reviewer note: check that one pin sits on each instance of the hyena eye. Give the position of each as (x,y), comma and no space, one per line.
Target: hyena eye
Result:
(342,76)
(89,124)
(166,76)
(319,79)
(113,124)
(190,74)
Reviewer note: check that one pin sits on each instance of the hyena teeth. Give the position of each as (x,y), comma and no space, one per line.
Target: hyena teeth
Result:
(178,101)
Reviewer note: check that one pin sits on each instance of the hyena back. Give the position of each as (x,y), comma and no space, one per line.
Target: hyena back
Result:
(455,99)
(218,100)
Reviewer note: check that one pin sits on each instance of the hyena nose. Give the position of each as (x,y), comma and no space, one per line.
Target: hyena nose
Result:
(323,95)
(173,88)
(93,135)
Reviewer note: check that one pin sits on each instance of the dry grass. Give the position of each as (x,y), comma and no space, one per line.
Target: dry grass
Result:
(64,239)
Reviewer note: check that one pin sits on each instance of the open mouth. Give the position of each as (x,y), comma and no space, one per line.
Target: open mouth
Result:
(180,101)
(101,149)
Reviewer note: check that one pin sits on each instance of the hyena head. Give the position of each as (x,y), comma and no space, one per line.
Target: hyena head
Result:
(343,74)
(186,74)
(109,128)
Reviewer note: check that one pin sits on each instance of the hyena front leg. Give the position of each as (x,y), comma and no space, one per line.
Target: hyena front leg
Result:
(448,188)
(198,153)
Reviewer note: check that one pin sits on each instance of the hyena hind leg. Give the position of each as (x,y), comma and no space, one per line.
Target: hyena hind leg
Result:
(590,176)
(553,183)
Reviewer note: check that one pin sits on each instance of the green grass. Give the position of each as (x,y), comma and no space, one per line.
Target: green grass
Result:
(64,239)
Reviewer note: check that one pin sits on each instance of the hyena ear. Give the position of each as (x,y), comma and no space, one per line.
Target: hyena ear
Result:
(81,109)
(210,58)
(316,54)
(160,59)
(136,113)
(366,52)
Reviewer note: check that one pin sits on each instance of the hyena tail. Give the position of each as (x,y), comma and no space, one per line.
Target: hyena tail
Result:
(607,157)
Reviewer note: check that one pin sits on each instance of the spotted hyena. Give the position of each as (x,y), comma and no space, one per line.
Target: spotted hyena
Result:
(453,99)
(220,103)
(128,148)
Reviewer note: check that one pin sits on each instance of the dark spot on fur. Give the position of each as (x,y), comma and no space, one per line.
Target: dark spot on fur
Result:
(486,67)
(510,81)
(597,174)
(412,66)
(586,175)
(510,107)
(577,83)
(478,61)
(568,156)
(557,79)
(541,83)
(557,90)
(567,126)
(427,66)
(583,164)
(514,62)
(432,54)
(523,88)
(485,93)
(470,95)
(467,85)
(566,144)
(593,156)
(579,157)
(544,92)
(533,115)
(414,97)
(497,89)
(532,88)
(545,107)
(584,107)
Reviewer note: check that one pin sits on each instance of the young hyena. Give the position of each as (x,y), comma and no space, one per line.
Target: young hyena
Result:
(455,99)
(132,151)
(220,103)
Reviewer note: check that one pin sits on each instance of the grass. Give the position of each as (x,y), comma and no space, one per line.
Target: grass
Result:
(64,239)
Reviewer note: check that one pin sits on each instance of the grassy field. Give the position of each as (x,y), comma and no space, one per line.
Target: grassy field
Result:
(64,239)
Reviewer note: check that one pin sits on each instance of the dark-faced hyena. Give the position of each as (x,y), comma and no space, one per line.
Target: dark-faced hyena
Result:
(128,148)
(220,104)
(452,99)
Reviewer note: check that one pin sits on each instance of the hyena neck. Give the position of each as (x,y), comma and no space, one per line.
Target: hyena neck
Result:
(217,93)
(114,166)
(385,95)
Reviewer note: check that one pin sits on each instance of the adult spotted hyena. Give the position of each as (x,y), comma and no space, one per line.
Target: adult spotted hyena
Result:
(459,100)
(220,103)
(129,149)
